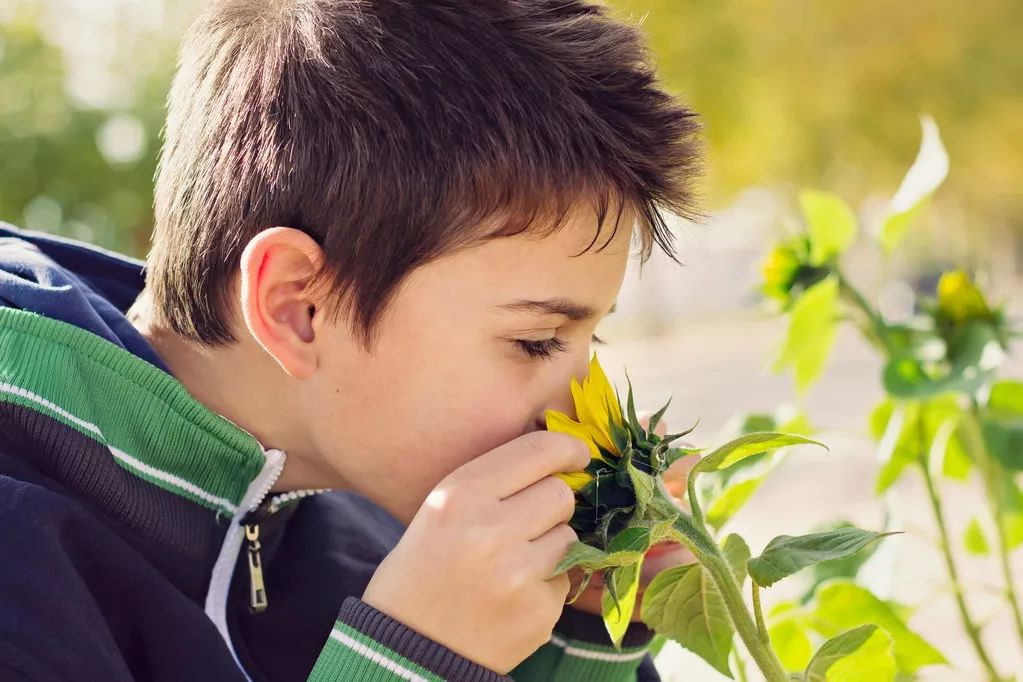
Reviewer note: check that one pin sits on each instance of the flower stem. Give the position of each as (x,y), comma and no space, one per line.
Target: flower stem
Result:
(713,561)
(758,613)
(972,631)
(761,651)
(992,475)
(693,532)
(878,329)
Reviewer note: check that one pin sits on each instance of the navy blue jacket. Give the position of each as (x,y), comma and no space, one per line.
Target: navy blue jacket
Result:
(122,506)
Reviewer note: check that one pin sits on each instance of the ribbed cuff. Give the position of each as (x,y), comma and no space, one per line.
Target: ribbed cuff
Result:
(411,645)
(587,627)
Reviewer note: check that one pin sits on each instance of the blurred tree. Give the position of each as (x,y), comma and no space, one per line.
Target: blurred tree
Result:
(80,115)
(792,94)
(829,93)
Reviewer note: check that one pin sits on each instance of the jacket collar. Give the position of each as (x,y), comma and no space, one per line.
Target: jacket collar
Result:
(148,422)
(127,438)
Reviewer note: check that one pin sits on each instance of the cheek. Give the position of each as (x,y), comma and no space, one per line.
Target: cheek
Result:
(395,430)
(462,422)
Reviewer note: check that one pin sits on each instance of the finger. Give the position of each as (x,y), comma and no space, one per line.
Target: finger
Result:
(521,462)
(540,507)
(560,586)
(550,548)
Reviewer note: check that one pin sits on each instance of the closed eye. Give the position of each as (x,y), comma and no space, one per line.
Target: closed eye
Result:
(545,349)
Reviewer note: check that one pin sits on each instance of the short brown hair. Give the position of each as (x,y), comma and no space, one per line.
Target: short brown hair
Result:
(391,130)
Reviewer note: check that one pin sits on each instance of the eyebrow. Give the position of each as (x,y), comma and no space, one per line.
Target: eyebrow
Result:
(555,306)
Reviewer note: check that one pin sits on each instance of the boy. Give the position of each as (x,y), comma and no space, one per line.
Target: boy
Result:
(385,232)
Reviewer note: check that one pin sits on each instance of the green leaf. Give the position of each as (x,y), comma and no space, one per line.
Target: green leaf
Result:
(619,599)
(811,333)
(635,539)
(896,448)
(974,540)
(683,603)
(592,559)
(1002,423)
(630,411)
(836,649)
(655,418)
(1014,530)
(620,436)
(663,530)
(785,554)
(842,605)
(956,464)
(643,485)
(580,588)
(736,553)
(979,356)
(731,500)
(830,222)
(864,651)
(675,454)
(746,446)
(791,642)
(925,175)
(1003,436)
(845,567)
(913,430)
(1006,396)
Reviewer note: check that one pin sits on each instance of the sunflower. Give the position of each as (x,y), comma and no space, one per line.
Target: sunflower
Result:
(786,272)
(960,300)
(597,408)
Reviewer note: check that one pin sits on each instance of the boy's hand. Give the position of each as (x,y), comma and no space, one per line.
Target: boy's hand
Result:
(471,571)
(658,558)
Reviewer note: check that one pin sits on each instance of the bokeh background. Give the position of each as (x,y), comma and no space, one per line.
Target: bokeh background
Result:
(793,94)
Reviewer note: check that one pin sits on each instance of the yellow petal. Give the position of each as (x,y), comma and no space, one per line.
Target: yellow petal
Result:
(575,479)
(600,404)
(559,422)
(562,423)
(603,387)
(586,415)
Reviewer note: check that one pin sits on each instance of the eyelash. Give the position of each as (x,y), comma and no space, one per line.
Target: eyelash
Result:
(545,349)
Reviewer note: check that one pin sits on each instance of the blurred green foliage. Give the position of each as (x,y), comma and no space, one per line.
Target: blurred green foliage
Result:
(829,93)
(792,94)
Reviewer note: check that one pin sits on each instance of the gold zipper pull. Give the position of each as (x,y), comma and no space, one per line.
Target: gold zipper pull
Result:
(257,591)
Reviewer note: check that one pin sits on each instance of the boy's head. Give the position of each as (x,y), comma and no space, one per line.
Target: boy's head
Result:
(369,194)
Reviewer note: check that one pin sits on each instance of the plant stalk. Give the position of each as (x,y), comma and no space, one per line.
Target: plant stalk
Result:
(709,555)
(761,651)
(972,631)
(714,562)
(758,613)
(995,498)
(878,328)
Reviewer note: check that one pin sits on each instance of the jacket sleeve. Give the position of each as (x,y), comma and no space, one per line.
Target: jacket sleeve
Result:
(370,646)
(579,651)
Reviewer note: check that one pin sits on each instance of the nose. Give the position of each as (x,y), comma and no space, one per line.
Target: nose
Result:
(559,392)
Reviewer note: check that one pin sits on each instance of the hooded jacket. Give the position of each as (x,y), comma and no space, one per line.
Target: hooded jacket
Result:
(140,540)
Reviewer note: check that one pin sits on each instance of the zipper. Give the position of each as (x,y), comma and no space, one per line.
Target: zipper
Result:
(220,580)
(257,588)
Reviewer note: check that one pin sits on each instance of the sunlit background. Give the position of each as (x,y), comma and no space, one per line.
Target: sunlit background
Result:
(826,95)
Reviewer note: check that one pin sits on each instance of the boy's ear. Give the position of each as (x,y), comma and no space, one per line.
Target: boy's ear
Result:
(277,266)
